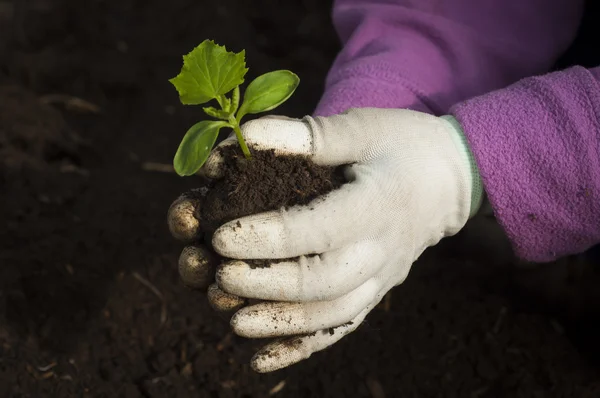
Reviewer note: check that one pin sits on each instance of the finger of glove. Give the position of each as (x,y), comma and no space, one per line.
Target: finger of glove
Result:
(182,223)
(314,278)
(213,166)
(328,223)
(197,266)
(275,319)
(284,135)
(222,301)
(288,351)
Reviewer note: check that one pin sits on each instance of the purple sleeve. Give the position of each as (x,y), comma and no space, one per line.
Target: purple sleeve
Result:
(427,55)
(537,145)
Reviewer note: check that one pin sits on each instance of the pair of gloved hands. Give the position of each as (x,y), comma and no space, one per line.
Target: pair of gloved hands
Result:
(412,181)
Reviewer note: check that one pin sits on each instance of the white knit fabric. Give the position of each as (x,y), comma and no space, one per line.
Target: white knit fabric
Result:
(410,186)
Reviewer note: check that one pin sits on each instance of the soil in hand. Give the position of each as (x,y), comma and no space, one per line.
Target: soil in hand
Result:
(264,182)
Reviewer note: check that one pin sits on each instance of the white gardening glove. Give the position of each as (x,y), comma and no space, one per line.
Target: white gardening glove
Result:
(412,182)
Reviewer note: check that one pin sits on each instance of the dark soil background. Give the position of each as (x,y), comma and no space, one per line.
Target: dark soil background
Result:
(91,304)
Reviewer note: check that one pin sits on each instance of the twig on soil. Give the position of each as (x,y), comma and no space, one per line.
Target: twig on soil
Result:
(278,387)
(157,293)
(499,320)
(47,367)
(160,167)
(71,168)
(70,102)
(45,374)
(187,370)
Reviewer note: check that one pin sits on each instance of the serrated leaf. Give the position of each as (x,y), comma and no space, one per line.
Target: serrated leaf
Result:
(208,71)
(196,146)
(268,91)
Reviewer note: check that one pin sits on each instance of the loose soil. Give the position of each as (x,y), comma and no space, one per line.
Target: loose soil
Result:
(91,304)
(264,182)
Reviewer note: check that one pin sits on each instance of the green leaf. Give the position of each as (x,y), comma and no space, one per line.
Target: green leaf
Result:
(196,146)
(268,91)
(208,71)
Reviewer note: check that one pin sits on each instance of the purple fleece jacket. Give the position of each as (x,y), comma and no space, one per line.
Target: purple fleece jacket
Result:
(535,136)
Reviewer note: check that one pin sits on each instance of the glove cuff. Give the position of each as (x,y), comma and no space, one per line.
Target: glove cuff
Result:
(477,192)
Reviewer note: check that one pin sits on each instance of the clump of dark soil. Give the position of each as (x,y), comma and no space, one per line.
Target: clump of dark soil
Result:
(264,182)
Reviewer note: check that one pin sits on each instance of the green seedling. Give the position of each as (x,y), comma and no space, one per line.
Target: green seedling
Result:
(210,72)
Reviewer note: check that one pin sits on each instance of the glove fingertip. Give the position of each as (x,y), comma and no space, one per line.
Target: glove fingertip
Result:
(223,240)
(213,167)
(279,355)
(222,301)
(181,218)
(282,134)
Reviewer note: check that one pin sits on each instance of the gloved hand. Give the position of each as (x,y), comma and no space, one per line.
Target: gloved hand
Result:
(413,181)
